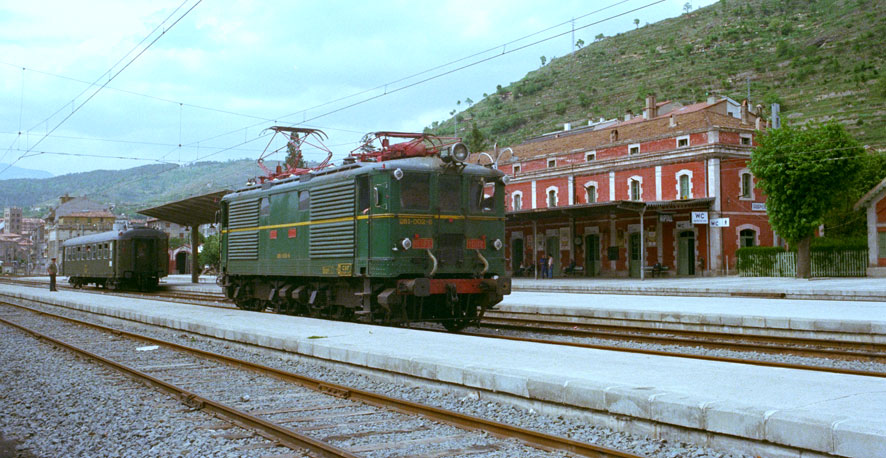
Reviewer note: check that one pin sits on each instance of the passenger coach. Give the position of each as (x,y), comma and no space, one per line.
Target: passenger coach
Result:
(134,258)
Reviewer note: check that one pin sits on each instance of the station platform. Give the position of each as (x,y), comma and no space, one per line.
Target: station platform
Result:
(839,289)
(768,411)
(851,321)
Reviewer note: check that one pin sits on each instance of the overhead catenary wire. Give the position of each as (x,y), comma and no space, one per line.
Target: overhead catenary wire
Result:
(439,75)
(163,33)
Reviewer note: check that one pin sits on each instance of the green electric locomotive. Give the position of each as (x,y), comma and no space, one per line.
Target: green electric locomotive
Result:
(399,233)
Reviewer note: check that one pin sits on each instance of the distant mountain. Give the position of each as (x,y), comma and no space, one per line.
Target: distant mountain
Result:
(18,172)
(127,191)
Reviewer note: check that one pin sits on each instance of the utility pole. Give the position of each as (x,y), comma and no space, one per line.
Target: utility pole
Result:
(573,35)
(749,90)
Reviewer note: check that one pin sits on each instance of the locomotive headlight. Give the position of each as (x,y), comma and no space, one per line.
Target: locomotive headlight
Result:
(505,179)
(406,243)
(497,244)
(398,174)
(460,152)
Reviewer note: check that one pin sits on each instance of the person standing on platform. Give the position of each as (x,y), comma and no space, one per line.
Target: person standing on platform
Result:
(53,271)
(550,265)
(543,265)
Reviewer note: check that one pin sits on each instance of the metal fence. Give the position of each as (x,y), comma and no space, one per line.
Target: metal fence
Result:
(845,263)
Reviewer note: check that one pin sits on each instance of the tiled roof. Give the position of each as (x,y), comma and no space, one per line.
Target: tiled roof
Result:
(90,214)
(698,116)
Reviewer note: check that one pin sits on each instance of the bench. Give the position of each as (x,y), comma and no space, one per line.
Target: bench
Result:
(657,270)
(574,270)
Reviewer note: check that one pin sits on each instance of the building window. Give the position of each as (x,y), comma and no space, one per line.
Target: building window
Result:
(746,140)
(516,169)
(747,185)
(552,163)
(517,203)
(634,149)
(592,193)
(747,238)
(682,142)
(881,244)
(591,156)
(635,190)
(552,196)
(684,186)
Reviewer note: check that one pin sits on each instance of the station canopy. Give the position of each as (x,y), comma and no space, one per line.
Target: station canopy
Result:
(618,207)
(193,211)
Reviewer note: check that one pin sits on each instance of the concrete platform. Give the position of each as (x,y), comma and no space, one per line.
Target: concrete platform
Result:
(773,412)
(840,289)
(856,321)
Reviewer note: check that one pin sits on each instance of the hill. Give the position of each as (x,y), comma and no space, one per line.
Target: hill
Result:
(18,172)
(820,59)
(131,189)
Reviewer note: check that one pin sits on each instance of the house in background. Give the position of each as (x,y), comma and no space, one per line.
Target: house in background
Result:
(73,217)
(874,203)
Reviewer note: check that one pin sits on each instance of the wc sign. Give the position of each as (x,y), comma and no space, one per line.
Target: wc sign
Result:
(699,217)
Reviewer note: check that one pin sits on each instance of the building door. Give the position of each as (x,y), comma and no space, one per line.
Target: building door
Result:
(592,255)
(181,262)
(686,253)
(517,256)
(634,255)
(553,248)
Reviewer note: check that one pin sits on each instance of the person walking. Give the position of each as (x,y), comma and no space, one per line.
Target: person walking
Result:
(53,271)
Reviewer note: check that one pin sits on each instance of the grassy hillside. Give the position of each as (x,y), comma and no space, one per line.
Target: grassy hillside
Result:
(820,59)
(131,189)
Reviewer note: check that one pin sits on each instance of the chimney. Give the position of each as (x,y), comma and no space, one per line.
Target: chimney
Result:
(712,100)
(65,198)
(628,115)
(673,122)
(651,110)
(567,126)
(758,110)
(776,116)
(758,124)
(744,111)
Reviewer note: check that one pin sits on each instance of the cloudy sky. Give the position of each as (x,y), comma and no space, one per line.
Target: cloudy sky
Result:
(226,70)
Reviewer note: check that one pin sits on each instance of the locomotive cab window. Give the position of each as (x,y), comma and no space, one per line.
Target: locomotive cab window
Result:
(363,195)
(482,198)
(415,191)
(449,194)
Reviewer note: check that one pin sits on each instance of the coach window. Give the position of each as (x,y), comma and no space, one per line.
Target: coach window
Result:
(415,191)
(449,193)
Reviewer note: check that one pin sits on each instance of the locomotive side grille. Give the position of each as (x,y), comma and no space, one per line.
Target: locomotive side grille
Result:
(333,239)
(451,249)
(243,245)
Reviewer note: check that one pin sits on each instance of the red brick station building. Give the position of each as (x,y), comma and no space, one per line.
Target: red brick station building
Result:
(670,187)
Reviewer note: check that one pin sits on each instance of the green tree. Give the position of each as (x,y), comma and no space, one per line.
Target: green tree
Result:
(293,156)
(475,140)
(579,43)
(210,254)
(687,7)
(543,60)
(599,37)
(804,173)
(636,23)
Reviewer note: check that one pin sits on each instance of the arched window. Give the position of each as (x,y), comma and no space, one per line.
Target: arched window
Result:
(747,238)
(635,190)
(592,193)
(552,198)
(517,203)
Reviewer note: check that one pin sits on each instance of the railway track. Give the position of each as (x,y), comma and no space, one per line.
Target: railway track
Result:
(302,413)
(556,330)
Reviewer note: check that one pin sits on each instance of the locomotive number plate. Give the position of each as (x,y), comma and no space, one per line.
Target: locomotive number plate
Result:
(424,221)
(345,269)
(283,255)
